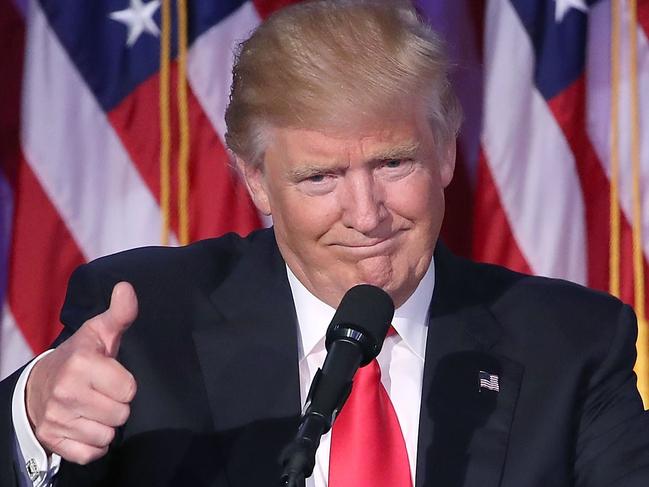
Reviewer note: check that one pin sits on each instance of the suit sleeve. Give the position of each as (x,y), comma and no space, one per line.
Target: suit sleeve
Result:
(613,432)
(8,468)
(87,296)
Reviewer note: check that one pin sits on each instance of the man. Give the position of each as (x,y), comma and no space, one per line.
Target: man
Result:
(343,125)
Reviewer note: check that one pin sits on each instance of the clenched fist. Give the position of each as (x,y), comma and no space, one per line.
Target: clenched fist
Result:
(77,395)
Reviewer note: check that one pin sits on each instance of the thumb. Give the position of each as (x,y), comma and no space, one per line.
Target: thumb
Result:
(112,323)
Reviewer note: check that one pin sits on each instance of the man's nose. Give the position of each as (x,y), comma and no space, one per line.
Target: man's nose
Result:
(362,203)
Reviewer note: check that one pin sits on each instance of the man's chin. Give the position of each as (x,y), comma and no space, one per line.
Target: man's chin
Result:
(377,271)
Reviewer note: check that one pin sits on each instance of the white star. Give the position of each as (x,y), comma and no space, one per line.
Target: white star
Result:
(138,18)
(561,7)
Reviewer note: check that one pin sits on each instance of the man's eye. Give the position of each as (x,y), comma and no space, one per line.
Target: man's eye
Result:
(318,184)
(396,168)
(392,163)
(316,178)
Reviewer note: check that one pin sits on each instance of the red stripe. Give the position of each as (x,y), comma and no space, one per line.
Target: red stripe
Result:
(137,123)
(456,228)
(477,18)
(267,7)
(643,16)
(569,109)
(468,39)
(43,255)
(493,240)
(218,201)
(12,49)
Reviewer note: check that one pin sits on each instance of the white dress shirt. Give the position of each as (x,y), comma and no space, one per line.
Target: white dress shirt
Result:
(38,469)
(401,361)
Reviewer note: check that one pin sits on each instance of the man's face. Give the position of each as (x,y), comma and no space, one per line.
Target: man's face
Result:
(363,208)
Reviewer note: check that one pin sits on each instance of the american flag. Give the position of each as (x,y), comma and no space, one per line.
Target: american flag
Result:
(111,114)
(488,381)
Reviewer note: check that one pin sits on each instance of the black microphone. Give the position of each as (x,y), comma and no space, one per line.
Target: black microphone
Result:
(354,338)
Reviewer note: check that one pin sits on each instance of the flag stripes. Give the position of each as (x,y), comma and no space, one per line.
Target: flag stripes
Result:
(63,126)
(643,16)
(43,253)
(493,240)
(529,158)
(210,68)
(569,109)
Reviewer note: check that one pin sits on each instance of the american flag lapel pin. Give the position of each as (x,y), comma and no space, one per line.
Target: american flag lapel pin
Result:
(488,381)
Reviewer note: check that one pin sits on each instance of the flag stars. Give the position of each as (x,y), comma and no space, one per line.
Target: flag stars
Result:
(561,8)
(138,18)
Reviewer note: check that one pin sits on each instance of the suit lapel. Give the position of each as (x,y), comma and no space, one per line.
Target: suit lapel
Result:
(463,430)
(253,396)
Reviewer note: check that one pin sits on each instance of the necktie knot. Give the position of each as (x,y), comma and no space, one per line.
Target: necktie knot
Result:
(368,376)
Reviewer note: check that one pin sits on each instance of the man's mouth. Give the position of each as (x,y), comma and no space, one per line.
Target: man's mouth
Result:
(369,246)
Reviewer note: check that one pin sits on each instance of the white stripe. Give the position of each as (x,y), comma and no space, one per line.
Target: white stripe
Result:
(529,158)
(211,58)
(76,154)
(14,350)
(599,104)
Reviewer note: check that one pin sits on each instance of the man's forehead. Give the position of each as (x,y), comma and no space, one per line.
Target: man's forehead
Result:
(393,142)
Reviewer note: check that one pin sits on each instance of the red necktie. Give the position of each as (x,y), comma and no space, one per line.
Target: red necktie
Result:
(367,446)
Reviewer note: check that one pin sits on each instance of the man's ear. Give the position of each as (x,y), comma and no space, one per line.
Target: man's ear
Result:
(255,181)
(447,163)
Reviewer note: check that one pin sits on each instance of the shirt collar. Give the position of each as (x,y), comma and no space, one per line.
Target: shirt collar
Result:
(410,319)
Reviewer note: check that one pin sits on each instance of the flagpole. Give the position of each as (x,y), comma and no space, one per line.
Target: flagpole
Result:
(165,124)
(642,363)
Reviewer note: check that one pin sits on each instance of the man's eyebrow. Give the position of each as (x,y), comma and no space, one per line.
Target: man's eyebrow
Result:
(307,171)
(404,151)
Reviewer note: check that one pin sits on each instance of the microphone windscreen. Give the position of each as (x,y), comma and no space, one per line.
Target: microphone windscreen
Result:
(366,309)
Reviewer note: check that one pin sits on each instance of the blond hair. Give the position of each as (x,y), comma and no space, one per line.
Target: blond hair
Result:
(337,65)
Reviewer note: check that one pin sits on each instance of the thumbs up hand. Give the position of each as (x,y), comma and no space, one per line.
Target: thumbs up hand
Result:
(77,395)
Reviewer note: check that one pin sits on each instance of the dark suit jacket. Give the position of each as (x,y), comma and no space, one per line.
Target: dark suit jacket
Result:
(214,353)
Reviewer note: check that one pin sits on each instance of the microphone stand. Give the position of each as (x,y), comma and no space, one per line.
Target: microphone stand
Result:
(354,337)
(326,398)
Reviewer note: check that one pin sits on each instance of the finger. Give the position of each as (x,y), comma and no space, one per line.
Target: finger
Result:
(88,432)
(112,323)
(77,452)
(111,379)
(104,410)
